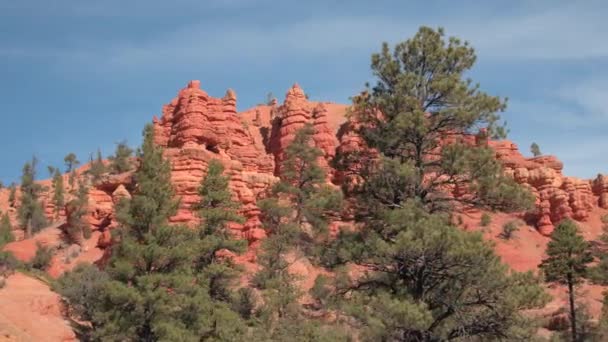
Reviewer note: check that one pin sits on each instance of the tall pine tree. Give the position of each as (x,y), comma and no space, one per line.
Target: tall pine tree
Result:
(6,230)
(422,278)
(296,216)
(217,210)
(30,212)
(121,160)
(153,291)
(415,116)
(58,191)
(567,257)
(97,167)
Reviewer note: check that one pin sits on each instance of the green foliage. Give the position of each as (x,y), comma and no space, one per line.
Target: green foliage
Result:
(12,195)
(42,258)
(8,263)
(76,225)
(599,273)
(155,287)
(58,191)
(508,229)
(245,303)
(269,98)
(97,167)
(535,149)
(424,98)
(120,161)
(80,289)
(6,230)
(30,212)
(301,203)
(486,219)
(296,216)
(216,207)
(430,281)
(601,332)
(567,257)
(70,161)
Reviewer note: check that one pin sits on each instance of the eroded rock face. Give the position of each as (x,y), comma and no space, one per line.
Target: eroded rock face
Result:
(557,196)
(195,128)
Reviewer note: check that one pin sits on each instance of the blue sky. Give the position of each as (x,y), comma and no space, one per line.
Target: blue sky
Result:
(84,74)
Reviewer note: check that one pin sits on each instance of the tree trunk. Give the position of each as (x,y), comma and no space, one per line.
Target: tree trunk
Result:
(572,309)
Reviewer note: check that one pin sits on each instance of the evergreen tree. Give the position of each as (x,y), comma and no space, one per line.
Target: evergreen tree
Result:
(71,161)
(98,168)
(601,332)
(302,199)
(30,212)
(153,291)
(535,149)
(296,216)
(76,227)
(426,107)
(12,195)
(6,230)
(120,161)
(424,279)
(567,257)
(58,192)
(216,210)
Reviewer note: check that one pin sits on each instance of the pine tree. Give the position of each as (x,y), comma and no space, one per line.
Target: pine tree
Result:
(601,332)
(425,102)
(425,279)
(535,149)
(58,192)
(153,291)
(30,212)
(12,195)
(98,168)
(217,210)
(76,227)
(6,230)
(120,161)
(71,161)
(567,257)
(296,216)
(301,197)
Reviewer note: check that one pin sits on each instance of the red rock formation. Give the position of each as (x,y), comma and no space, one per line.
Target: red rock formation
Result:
(557,197)
(195,128)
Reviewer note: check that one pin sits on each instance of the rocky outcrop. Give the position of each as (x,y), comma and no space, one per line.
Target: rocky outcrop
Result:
(557,196)
(195,128)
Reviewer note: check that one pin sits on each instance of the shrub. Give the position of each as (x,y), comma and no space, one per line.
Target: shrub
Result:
(508,229)
(42,259)
(485,220)
(80,288)
(8,263)
(86,232)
